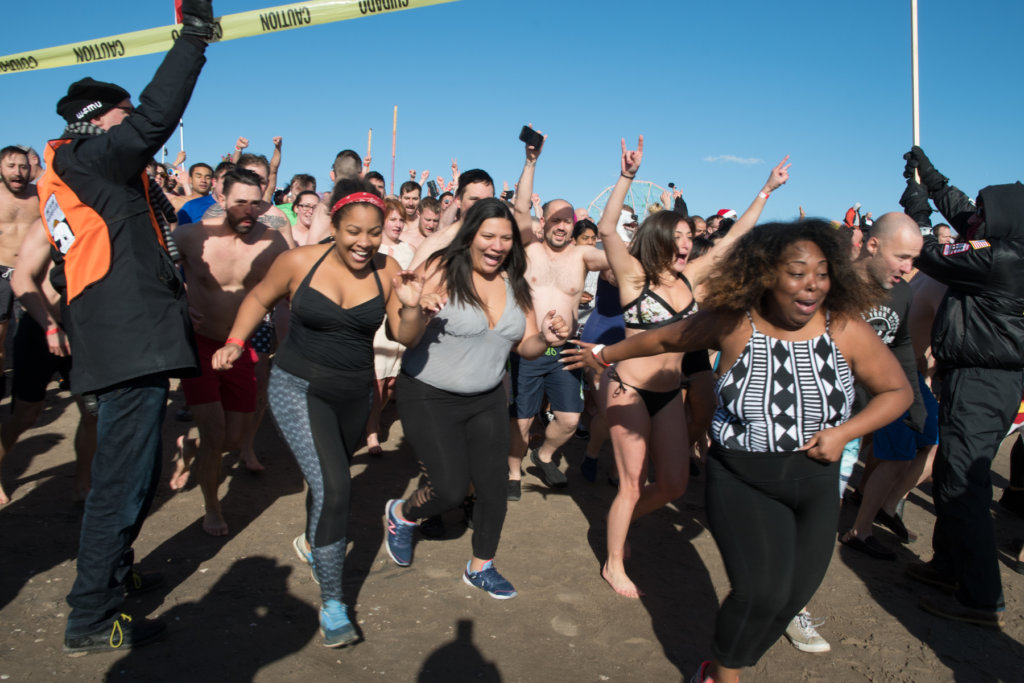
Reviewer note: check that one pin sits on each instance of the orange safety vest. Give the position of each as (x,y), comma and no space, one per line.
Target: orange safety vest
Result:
(77,230)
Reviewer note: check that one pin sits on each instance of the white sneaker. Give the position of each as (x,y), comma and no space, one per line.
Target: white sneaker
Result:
(802,632)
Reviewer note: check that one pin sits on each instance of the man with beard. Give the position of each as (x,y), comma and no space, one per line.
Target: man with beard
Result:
(223,258)
(19,207)
(556,270)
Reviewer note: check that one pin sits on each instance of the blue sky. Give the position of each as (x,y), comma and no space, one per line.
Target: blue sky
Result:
(706,83)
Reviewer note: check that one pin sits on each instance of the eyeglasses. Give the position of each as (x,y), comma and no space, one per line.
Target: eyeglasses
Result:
(308,207)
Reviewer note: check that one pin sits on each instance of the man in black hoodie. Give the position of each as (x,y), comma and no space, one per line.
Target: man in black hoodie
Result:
(978,343)
(125,314)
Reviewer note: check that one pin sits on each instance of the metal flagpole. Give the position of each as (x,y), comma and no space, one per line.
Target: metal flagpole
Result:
(913,73)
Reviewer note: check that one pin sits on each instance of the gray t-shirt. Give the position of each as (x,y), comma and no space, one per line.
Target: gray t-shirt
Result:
(458,351)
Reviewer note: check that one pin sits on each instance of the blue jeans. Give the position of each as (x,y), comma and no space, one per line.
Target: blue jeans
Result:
(125,472)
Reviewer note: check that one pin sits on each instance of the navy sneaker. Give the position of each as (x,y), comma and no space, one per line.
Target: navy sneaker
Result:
(488,579)
(398,534)
(335,627)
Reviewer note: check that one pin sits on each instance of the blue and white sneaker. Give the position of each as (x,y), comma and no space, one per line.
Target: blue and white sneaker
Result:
(488,579)
(335,627)
(398,534)
(306,555)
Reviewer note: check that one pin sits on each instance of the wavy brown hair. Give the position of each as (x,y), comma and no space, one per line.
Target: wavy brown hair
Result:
(750,269)
(654,244)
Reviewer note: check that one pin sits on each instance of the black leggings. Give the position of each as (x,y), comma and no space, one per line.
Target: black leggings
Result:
(459,439)
(774,518)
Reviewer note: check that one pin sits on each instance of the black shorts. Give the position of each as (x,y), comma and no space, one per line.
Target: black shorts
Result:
(34,365)
(6,294)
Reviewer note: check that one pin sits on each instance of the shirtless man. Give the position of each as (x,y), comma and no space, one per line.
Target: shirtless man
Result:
(223,258)
(556,269)
(19,208)
(429,211)
(38,355)
(475,185)
(410,194)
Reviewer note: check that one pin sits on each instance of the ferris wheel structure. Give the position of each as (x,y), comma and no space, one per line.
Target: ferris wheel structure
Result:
(642,193)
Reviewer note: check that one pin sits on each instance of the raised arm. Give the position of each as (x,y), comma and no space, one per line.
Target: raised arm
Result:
(699,269)
(524,190)
(275,164)
(626,268)
(240,144)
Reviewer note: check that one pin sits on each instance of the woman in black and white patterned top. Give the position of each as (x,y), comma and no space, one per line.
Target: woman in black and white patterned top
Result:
(784,310)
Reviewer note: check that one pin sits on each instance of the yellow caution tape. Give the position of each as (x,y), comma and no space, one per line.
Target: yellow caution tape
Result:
(231,26)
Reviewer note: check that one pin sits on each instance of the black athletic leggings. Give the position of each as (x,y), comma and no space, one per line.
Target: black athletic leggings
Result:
(459,439)
(774,518)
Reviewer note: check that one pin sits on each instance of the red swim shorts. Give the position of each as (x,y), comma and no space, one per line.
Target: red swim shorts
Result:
(235,389)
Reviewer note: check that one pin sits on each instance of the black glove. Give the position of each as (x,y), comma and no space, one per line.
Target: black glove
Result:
(915,204)
(930,178)
(916,416)
(197,19)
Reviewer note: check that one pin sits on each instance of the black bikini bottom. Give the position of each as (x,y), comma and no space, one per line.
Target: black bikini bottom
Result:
(653,400)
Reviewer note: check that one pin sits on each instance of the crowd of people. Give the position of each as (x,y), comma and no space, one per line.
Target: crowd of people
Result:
(769,357)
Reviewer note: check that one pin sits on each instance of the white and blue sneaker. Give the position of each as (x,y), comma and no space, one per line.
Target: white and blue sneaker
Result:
(335,627)
(306,555)
(488,579)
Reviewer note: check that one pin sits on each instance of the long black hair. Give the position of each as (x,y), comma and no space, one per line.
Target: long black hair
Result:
(457,264)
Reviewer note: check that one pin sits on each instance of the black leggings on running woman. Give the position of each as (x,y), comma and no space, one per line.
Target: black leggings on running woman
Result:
(459,439)
(322,422)
(774,518)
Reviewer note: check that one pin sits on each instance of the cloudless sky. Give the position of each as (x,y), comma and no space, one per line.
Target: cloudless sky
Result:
(826,82)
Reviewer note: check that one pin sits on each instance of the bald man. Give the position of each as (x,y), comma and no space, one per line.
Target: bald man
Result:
(885,257)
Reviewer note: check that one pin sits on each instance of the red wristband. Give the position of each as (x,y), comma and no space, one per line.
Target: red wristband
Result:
(52,331)
(240,343)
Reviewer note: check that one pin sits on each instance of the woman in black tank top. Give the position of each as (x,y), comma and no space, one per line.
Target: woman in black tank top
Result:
(322,379)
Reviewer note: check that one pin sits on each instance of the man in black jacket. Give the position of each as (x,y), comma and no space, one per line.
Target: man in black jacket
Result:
(978,343)
(125,314)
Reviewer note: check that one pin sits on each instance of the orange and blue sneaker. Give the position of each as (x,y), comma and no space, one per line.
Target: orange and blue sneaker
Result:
(398,534)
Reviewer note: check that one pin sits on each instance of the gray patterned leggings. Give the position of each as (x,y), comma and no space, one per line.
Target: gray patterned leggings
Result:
(322,426)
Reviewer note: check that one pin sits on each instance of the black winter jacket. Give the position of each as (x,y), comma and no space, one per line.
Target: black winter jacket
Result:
(124,304)
(980,322)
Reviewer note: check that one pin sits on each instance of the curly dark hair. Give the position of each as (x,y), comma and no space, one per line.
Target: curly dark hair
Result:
(748,272)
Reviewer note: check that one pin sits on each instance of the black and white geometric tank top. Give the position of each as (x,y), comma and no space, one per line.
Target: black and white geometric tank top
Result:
(778,393)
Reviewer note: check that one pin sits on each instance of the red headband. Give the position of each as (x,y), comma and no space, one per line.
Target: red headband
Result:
(366,197)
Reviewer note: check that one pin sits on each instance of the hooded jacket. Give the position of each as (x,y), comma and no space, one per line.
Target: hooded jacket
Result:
(124,305)
(980,322)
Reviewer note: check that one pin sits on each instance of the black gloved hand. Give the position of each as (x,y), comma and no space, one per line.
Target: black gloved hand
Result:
(930,177)
(916,416)
(915,204)
(197,19)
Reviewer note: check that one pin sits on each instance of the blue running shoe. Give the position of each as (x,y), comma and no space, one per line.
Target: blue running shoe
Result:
(398,534)
(488,579)
(335,627)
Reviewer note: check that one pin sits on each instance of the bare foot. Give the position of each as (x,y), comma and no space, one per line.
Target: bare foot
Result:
(214,524)
(621,584)
(373,445)
(251,462)
(4,500)
(182,460)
